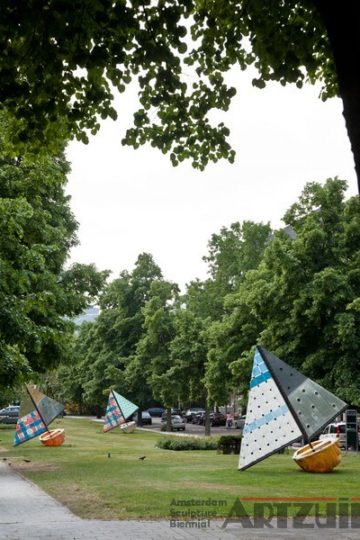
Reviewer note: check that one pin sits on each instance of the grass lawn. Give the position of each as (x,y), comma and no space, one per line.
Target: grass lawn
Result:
(80,474)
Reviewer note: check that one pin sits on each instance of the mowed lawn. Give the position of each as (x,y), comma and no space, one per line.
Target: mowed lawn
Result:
(82,476)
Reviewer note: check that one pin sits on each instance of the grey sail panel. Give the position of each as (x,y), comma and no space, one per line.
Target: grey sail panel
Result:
(26,404)
(48,408)
(312,405)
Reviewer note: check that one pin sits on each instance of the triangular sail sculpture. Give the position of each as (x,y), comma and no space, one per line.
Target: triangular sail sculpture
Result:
(284,406)
(118,410)
(37,411)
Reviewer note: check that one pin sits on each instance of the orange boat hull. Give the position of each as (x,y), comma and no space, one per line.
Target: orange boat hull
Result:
(54,437)
(321,457)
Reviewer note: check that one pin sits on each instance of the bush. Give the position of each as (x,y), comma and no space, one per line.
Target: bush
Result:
(187,443)
(229,444)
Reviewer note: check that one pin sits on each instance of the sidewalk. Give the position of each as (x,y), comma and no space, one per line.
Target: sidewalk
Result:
(28,513)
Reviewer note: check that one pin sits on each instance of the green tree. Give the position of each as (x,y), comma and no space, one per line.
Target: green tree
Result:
(37,295)
(105,348)
(302,301)
(232,253)
(66,383)
(235,251)
(189,354)
(153,356)
(58,61)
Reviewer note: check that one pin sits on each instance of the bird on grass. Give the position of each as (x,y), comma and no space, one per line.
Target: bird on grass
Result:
(142,458)
(27,460)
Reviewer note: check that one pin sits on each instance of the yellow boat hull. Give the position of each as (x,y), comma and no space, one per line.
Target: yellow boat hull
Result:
(321,457)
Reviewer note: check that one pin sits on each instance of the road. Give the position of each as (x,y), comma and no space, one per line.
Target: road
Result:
(194,429)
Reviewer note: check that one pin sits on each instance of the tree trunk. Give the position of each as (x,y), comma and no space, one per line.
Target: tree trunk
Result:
(342,22)
(207,421)
(98,411)
(168,419)
(139,417)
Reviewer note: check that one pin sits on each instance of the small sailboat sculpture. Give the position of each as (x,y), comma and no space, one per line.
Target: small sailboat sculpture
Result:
(284,407)
(37,411)
(118,410)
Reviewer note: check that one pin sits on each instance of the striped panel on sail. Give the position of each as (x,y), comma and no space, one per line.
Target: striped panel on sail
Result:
(269,424)
(28,427)
(113,415)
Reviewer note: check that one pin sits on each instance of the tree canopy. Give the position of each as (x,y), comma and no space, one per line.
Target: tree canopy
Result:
(302,301)
(104,351)
(38,296)
(61,60)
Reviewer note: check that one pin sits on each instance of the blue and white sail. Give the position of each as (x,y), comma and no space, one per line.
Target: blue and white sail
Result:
(269,424)
(284,406)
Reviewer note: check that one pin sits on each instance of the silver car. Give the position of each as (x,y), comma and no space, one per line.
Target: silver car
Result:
(177,422)
(9,415)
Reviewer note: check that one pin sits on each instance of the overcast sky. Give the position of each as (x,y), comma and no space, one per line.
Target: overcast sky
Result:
(132,201)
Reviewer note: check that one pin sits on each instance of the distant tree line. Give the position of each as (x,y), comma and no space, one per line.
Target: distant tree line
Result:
(298,295)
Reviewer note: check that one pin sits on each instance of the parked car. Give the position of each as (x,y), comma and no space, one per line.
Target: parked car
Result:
(179,412)
(146,418)
(239,423)
(192,412)
(217,419)
(337,430)
(198,417)
(9,415)
(156,411)
(177,422)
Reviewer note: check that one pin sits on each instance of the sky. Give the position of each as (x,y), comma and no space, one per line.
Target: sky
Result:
(132,201)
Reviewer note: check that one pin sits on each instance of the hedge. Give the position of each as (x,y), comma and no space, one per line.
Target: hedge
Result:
(229,444)
(187,443)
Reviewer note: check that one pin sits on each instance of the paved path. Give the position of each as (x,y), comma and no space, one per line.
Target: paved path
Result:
(27,513)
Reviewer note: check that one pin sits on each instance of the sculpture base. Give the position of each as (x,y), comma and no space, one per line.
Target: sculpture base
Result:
(128,427)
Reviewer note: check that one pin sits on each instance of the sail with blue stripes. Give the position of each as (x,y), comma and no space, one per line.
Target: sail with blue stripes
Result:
(284,406)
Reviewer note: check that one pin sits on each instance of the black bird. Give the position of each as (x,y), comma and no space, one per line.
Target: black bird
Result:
(142,458)
(27,460)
